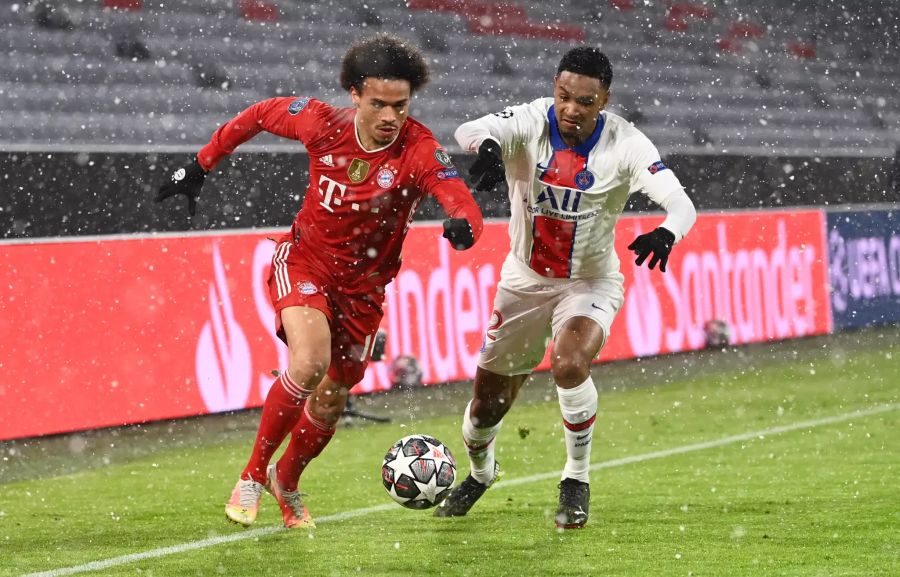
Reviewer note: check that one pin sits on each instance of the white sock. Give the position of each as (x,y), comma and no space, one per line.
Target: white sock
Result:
(480,446)
(579,409)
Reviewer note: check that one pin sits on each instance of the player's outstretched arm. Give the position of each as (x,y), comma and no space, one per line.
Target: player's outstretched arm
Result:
(280,116)
(187,180)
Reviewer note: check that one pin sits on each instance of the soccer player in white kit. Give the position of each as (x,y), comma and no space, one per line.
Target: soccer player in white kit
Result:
(570,166)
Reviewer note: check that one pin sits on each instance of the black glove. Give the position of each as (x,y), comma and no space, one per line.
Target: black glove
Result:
(658,242)
(488,168)
(187,181)
(459,232)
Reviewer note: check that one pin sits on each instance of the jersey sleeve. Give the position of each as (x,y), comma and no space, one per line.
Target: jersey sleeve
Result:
(653,178)
(513,128)
(438,177)
(288,117)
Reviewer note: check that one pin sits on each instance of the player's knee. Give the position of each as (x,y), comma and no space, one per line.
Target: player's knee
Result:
(569,372)
(307,370)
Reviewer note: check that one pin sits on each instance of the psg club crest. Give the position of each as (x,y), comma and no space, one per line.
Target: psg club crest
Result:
(584,179)
(385,178)
(358,170)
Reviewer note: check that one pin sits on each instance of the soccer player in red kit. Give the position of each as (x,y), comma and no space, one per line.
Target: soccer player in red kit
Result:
(370,165)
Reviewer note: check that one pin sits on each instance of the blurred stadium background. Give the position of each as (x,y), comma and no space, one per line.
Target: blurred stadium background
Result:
(753,103)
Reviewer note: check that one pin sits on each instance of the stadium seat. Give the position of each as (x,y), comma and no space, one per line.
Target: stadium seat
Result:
(260,10)
(123,4)
(754,82)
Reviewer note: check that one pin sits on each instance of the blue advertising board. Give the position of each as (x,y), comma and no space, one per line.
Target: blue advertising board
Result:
(864,267)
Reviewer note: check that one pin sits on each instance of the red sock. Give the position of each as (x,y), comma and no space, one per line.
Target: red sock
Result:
(308,439)
(281,412)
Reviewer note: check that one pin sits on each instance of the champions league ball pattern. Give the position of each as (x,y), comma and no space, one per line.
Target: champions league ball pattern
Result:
(418,471)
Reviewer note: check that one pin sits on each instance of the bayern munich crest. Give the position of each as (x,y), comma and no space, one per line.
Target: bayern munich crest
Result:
(385,178)
(307,288)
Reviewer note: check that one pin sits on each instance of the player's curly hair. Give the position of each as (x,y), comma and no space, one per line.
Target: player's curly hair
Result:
(383,56)
(588,61)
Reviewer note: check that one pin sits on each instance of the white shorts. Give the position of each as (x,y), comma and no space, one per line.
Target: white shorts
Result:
(528,313)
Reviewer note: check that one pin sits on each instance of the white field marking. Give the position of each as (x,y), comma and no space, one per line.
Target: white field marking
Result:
(710,444)
(263,531)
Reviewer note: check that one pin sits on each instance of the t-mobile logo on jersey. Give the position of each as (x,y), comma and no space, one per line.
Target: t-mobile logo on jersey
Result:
(327,193)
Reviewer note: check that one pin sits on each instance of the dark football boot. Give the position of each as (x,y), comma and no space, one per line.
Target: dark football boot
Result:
(461,499)
(574,500)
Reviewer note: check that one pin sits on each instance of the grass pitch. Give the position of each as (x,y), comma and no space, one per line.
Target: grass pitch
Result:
(819,498)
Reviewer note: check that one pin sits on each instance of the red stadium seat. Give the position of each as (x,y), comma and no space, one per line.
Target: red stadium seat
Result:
(259,10)
(622,5)
(801,49)
(501,19)
(123,4)
(746,30)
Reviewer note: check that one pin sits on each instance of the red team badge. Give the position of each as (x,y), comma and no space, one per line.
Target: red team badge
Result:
(385,178)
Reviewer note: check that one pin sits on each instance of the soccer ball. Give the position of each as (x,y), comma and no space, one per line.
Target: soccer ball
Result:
(418,471)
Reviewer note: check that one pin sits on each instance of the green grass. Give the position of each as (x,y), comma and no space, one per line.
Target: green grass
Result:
(822,500)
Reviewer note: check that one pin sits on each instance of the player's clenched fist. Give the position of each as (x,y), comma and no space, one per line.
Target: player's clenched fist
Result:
(459,232)
(488,168)
(188,181)
(658,243)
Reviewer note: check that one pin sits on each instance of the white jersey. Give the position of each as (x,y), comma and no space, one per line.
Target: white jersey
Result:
(565,201)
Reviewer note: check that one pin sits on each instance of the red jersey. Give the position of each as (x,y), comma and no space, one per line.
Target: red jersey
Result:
(359,203)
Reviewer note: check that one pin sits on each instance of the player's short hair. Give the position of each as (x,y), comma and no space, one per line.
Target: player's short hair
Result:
(588,61)
(383,56)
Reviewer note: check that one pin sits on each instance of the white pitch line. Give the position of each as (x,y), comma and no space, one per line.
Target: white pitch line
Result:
(263,531)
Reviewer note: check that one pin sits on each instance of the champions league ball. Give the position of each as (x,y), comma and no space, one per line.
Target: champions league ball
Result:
(418,471)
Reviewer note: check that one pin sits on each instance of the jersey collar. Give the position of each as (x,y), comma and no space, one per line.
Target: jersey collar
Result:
(583,149)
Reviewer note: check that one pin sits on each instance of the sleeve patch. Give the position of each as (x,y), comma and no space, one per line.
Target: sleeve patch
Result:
(657,166)
(506,113)
(298,105)
(443,158)
(448,173)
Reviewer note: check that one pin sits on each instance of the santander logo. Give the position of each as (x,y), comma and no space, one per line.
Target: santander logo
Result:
(223,359)
(764,289)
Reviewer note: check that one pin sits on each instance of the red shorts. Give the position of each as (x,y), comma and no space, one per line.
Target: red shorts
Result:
(354,319)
